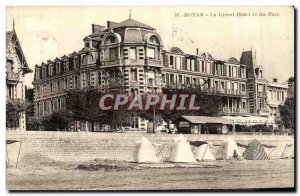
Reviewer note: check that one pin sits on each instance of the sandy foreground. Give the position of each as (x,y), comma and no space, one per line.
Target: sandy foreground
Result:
(36,172)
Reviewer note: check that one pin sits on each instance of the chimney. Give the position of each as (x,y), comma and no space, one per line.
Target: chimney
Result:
(96,28)
(275,80)
(197,51)
(110,24)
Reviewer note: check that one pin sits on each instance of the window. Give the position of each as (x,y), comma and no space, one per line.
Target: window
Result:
(178,63)
(132,53)
(112,53)
(153,40)
(134,74)
(188,65)
(202,66)
(188,80)
(243,87)
(234,72)
(83,59)
(180,79)
(222,85)
(217,85)
(172,78)
(151,53)
(76,62)
(113,40)
(171,60)
(192,65)
(87,44)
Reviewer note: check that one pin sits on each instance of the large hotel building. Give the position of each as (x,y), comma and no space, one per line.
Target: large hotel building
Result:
(129,57)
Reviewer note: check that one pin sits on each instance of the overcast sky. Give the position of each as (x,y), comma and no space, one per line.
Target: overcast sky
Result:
(49,32)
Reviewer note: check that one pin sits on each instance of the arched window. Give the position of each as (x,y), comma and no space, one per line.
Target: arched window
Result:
(154,40)
(91,58)
(83,59)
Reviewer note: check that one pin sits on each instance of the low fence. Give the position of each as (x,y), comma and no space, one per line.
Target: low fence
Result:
(83,146)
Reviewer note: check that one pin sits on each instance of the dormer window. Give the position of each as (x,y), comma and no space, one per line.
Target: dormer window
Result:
(83,59)
(76,62)
(113,40)
(57,67)
(87,44)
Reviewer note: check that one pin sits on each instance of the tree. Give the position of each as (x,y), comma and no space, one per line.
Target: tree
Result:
(287,113)
(33,123)
(14,109)
(56,121)
(291,80)
(83,105)
(209,102)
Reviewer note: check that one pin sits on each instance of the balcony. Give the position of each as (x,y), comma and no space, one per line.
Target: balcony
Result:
(261,94)
(12,76)
(153,62)
(111,62)
(229,110)
(227,91)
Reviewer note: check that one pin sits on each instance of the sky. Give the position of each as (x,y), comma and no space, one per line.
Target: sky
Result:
(50,32)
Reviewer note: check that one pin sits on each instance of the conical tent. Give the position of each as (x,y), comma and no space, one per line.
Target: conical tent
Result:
(181,151)
(227,149)
(144,151)
(255,151)
(203,153)
(288,152)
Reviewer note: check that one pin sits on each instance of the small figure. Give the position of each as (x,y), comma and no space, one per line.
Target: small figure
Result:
(235,155)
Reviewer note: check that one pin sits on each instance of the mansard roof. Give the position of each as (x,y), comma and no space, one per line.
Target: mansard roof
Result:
(131,23)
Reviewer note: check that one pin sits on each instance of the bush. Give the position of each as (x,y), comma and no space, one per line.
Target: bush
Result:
(267,129)
(249,129)
(33,123)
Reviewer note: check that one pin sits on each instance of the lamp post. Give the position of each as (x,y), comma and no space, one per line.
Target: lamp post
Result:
(153,108)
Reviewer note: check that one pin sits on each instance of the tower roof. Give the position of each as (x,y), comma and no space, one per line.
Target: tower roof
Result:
(131,23)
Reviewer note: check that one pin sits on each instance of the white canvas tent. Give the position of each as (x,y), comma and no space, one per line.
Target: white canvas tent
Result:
(226,150)
(203,153)
(181,151)
(144,152)
(288,152)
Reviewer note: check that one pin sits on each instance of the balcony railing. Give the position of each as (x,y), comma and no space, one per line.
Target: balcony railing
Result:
(12,76)
(112,62)
(229,110)
(227,91)
(262,94)
(153,62)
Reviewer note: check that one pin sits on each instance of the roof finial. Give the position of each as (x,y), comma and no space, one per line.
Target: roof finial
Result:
(129,13)
(13,23)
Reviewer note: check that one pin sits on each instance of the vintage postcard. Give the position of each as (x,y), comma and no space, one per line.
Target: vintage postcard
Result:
(150,98)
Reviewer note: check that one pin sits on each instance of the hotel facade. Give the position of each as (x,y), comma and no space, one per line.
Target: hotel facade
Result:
(129,57)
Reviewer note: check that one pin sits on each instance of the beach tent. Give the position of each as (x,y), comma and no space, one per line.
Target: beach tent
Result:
(288,152)
(203,153)
(13,149)
(144,151)
(226,150)
(255,151)
(181,151)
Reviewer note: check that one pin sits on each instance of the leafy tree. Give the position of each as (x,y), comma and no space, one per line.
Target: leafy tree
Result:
(33,123)
(56,121)
(287,113)
(14,109)
(291,80)
(83,105)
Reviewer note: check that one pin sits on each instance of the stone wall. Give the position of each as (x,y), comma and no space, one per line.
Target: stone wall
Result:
(82,146)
